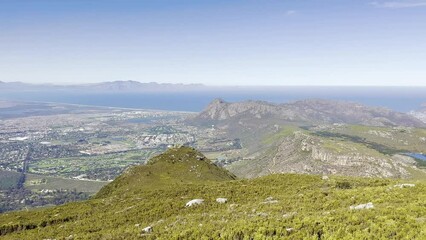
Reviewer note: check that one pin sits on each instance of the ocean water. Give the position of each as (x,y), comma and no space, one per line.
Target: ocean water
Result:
(401,99)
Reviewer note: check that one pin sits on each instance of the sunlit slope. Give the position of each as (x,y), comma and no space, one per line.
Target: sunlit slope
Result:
(176,166)
(338,149)
(280,206)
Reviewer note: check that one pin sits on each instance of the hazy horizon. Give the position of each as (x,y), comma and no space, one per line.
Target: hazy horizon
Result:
(226,43)
(212,85)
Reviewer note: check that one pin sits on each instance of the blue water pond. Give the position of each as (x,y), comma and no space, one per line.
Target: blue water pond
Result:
(418,156)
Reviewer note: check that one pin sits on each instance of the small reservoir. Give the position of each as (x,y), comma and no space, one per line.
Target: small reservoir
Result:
(417,156)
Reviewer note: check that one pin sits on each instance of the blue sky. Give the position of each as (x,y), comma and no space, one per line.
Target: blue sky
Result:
(215,42)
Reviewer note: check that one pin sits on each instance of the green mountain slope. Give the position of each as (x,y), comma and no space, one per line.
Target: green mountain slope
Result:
(176,166)
(280,206)
(317,137)
(327,151)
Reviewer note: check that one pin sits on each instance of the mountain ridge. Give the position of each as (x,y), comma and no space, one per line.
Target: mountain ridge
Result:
(315,111)
(108,86)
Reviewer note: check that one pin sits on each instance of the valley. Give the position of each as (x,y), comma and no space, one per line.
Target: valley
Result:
(71,153)
(316,138)
(57,148)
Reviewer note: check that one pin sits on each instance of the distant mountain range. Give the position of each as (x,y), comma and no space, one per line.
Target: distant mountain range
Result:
(318,137)
(193,97)
(311,111)
(114,86)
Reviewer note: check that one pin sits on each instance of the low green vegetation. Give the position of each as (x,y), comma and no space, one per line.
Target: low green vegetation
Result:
(343,147)
(285,131)
(282,206)
(385,140)
(9,179)
(350,139)
(177,166)
(393,138)
(102,167)
(39,182)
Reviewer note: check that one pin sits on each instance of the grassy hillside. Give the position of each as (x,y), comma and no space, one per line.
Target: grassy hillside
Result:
(282,206)
(174,167)
(385,139)
(306,208)
(39,182)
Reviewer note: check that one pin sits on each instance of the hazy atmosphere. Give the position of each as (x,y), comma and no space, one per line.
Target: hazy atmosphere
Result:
(251,42)
(213,119)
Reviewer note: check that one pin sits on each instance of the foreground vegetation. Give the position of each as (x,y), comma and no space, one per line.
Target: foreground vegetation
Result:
(273,207)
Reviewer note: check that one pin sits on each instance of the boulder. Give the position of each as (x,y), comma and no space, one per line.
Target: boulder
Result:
(194,202)
(148,229)
(405,185)
(270,200)
(362,206)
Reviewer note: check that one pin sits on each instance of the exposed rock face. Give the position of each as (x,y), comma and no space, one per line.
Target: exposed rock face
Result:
(300,152)
(148,229)
(303,153)
(420,113)
(310,111)
(367,166)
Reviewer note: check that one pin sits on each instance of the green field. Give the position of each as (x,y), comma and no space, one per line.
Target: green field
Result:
(39,182)
(102,167)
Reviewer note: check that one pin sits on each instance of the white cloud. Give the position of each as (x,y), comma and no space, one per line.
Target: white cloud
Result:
(290,12)
(400,4)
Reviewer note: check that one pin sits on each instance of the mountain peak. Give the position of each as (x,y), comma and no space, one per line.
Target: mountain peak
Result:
(217,104)
(179,155)
(308,111)
(218,101)
(176,166)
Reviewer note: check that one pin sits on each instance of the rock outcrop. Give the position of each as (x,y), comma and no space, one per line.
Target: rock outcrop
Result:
(419,113)
(304,153)
(194,202)
(362,206)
